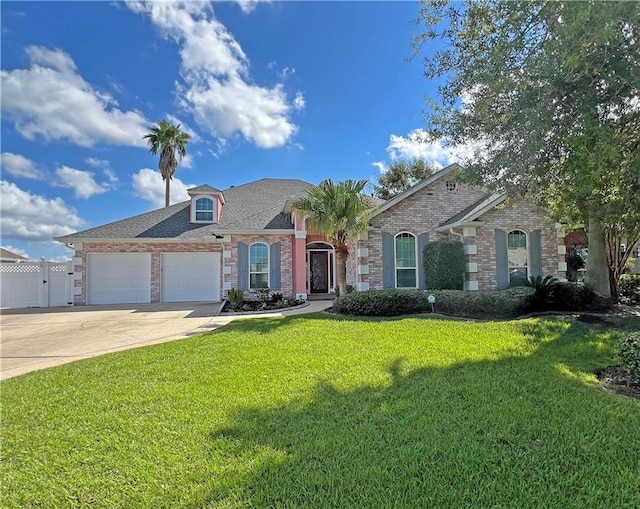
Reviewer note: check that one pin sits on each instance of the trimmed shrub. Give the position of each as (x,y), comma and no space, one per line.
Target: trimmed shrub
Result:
(503,303)
(498,303)
(382,303)
(444,265)
(629,352)
(629,289)
(575,297)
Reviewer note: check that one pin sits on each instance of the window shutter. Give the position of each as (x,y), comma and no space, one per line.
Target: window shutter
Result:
(535,252)
(423,240)
(274,266)
(242,265)
(388,261)
(502,261)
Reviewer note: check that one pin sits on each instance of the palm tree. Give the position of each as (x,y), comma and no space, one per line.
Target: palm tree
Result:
(169,140)
(339,211)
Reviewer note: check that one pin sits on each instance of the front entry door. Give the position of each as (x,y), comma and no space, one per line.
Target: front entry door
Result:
(318,261)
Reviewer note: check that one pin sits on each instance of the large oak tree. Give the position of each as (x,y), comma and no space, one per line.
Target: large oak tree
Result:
(548,92)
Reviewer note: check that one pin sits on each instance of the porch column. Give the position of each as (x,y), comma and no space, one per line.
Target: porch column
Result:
(300,265)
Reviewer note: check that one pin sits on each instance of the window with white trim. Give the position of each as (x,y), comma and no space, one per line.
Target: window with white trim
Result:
(406,268)
(204,210)
(258,266)
(517,256)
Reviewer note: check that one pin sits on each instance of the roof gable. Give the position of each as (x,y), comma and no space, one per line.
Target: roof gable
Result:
(418,187)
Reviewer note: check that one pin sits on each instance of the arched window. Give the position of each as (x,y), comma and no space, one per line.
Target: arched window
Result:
(204,209)
(517,256)
(406,268)
(258,266)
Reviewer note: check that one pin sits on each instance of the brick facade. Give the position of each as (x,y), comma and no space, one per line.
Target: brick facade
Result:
(419,213)
(156,249)
(426,209)
(230,256)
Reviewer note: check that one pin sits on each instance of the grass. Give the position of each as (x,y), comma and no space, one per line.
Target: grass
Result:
(323,412)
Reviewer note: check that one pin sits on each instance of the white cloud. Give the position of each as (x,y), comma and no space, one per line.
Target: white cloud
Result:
(19,166)
(298,101)
(82,182)
(148,185)
(437,153)
(28,216)
(248,6)
(105,166)
(380,165)
(50,99)
(216,88)
(98,163)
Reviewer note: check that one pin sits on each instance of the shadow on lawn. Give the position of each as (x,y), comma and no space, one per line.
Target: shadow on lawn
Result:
(527,429)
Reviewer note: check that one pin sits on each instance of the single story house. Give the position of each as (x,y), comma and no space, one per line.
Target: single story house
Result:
(250,236)
(7,256)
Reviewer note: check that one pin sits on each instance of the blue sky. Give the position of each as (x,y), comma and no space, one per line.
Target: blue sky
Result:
(307,90)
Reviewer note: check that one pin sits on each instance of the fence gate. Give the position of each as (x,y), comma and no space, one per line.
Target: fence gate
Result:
(36,284)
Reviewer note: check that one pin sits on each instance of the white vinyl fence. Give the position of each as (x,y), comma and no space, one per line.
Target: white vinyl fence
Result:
(36,284)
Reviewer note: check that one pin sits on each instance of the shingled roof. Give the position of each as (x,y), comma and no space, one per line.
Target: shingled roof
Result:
(255,206)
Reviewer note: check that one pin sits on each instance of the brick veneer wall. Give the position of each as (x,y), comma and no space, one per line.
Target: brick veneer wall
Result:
(230,255)
(419,213)
(516,215)
(432,205)
(156,249)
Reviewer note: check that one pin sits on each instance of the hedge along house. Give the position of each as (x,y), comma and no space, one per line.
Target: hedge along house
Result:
(250,236)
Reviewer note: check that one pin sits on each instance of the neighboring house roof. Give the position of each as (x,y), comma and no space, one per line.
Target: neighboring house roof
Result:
(255,206)
(10,256)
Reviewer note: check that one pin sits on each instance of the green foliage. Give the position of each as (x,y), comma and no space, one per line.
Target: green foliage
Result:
(235,298)
(629,288)
(444,265)
(550,102)
(382,303)
(169,140)
(400,176)
(543,290)
(505,303)
(629,352)
(575,297)
(496,303)
(277,297)
(263,294)
(338,211)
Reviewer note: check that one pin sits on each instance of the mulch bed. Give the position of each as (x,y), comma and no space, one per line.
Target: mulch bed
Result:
(616,379)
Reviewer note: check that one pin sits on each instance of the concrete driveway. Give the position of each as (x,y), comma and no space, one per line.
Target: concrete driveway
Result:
(37,338)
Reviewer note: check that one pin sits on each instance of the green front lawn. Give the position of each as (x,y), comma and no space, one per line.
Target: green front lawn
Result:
(322,412)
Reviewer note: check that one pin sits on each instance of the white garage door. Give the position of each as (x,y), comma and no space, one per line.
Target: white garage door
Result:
(190,277)
(119,278)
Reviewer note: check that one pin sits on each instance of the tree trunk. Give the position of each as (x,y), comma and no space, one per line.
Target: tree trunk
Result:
(341,260)
(167,186)
(597,276)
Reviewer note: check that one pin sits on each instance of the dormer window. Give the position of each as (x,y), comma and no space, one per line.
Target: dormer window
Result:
(204,210)
(206,204)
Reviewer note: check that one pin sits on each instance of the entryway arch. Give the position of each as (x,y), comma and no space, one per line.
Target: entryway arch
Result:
(321,268)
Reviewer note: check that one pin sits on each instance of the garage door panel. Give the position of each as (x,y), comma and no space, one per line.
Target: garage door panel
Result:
(190,277)
(119,278)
